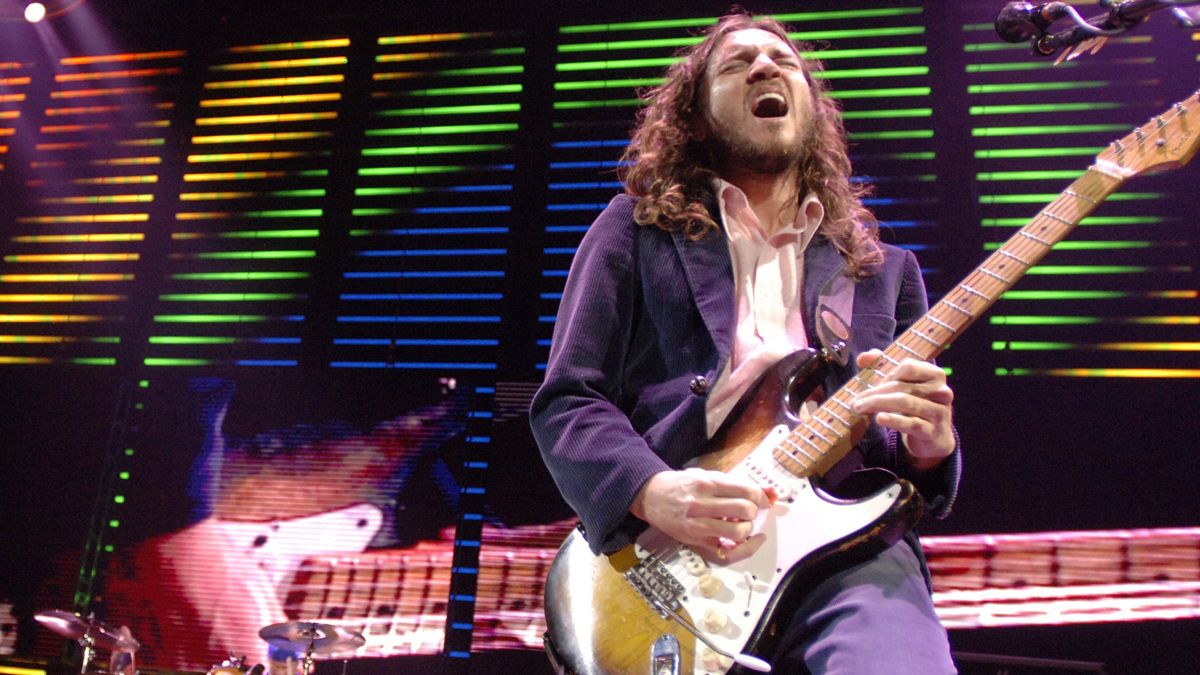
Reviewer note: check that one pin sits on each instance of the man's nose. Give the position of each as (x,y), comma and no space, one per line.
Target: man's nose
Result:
(764,68)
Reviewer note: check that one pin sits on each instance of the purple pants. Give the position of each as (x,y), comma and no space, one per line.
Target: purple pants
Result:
(873,618)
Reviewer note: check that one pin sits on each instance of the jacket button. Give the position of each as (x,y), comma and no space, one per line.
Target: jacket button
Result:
(699,385)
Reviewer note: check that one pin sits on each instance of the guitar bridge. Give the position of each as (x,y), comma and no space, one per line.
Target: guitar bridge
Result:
(655,584)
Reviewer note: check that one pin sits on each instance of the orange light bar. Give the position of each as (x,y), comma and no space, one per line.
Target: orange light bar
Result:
(62,278)
(249,156)
(88,218)
(83,110)
(121,58)
(9,98)
(112,91)
(14,81)
(431,37)
(114,74)
(290,46)
(78,238)
(265,119)
(116,180)
(73,128)
(51,318)
(60,297)
(275,82)
(259,138)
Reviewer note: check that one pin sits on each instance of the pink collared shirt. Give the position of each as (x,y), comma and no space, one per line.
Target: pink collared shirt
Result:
(768,280)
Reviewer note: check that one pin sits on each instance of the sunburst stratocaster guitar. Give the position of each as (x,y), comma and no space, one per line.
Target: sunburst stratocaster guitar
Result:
(658,606)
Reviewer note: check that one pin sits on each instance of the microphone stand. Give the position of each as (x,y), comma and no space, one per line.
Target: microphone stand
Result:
(1120,18)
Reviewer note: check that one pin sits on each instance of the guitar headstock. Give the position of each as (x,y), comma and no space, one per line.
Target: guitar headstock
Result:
(1167,141)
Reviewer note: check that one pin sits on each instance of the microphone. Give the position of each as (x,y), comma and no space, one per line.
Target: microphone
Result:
(1021,21)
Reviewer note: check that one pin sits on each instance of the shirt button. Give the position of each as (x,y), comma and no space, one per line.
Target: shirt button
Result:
(699,385)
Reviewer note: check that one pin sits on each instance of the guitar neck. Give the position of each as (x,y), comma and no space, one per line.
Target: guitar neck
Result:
(824,437)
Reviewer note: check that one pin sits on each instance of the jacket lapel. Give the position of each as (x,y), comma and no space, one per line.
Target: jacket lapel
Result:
(822,264)
(709,271)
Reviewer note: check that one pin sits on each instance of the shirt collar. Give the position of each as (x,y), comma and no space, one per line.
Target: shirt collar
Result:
(737,216)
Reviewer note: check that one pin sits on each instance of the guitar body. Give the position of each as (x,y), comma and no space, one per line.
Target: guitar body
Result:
(598,622)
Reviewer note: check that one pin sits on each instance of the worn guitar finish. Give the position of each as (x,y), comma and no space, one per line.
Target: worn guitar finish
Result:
(659,599)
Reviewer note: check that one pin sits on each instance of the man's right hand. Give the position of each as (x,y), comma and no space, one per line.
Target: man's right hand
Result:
(706,509)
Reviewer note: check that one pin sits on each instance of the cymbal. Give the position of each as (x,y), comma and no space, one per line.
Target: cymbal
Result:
(323,638)
(102,635)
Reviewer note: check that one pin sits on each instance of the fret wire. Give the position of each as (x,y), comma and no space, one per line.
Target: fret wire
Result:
(885,357)
(839,417)
(925,337)
(1036,238)
(799,449)
(1077,195)
(941,323)
(957,308)
(815,433)
(908,349)
(824,424)
(974,292)
(814,445)
(842,403)
(994,275)
(1052,216)
(1010,255)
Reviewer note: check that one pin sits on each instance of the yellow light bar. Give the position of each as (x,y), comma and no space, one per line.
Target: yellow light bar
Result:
(431,37)
(51,318)
(114,74)
(60,297)
(259,138)
(289,46)
(71,257)
(275,82)
(73,128)
(82,110)
(121,58)
(23,361)
(78,238)
(281,99)
(250,156)
(88,218)
(265,119)
(232,175)
(99,199)
(58,278)
(283,63)
(116,180)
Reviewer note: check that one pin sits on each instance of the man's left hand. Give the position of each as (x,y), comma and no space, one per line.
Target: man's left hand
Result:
(914,400)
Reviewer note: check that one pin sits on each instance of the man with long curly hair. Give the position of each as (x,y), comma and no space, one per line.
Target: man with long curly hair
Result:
(740,239)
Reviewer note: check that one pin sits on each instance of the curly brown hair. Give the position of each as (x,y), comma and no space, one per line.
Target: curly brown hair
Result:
(671,171)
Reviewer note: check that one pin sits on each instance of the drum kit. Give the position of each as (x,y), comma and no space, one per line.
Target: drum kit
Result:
(304,639)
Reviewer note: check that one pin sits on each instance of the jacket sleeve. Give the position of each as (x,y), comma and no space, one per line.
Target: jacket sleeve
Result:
(938,487)
(598,460)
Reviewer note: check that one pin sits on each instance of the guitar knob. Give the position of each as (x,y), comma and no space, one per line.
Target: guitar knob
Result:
(714,621)
(709,585)
(713,662)
(696,565)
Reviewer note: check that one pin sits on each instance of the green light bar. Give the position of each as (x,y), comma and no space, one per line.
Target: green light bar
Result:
(627,44)
(443,129)
(1035,320)
(1020,153)
(467,91)
(95,361)
(1046,130)
(609,103)
(387,192)
(615,64)
(879,93)
(1018,346)
(852,33)
(1026,175)
(1047,270)
(608,84)
(176,362)
(432,150)
(1049,197)
(255,255)
(1035,86)
(186,340)
(451,110)
(900,71)
(210,318)
(637,25)
(482,70)
(1093,245)
(238,276)
(892,135)
(228,297)
(1040,108)
(1065,295)
(410,170)
(887,114)
(1013,66)
(1103,372)
(373,212)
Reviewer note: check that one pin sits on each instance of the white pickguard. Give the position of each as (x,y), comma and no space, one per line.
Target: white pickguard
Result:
(801,521)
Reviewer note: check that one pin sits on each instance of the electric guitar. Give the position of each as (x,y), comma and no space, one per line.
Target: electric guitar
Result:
(658,606)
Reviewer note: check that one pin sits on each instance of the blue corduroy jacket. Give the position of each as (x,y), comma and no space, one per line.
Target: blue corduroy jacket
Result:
(645,313)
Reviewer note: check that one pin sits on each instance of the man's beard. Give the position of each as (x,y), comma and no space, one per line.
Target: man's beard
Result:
(735,151)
